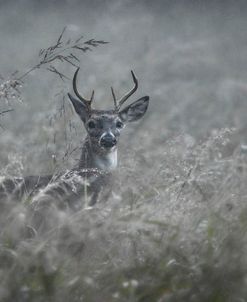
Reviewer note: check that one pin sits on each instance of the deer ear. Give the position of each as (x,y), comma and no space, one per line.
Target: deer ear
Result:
(80,108)
(135,111)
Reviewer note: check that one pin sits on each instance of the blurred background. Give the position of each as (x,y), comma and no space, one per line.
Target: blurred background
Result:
(189,57)
(174,228)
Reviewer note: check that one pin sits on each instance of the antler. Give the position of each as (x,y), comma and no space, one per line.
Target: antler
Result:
(119,103)
(86,102)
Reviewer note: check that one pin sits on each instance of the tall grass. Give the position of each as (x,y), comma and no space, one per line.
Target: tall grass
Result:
(174,229)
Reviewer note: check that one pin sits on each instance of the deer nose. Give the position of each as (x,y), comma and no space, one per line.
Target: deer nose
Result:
(108,141)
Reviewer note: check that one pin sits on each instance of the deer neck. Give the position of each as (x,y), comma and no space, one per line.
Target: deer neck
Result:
(93,157)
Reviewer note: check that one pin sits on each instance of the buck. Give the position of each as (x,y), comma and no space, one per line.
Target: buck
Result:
(104,126)
(98,158)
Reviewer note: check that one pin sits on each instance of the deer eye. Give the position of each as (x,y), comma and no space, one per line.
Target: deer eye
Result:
(91,125)
(119,124)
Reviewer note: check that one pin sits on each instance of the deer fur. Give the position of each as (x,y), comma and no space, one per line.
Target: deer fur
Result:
(98,159)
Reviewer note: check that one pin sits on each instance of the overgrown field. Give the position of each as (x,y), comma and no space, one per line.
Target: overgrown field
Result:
(175,225)
(173,230)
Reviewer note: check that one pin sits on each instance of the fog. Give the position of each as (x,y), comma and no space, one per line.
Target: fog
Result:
(182,172)
(189,57)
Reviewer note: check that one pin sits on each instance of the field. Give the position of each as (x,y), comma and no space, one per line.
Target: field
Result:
(175,226)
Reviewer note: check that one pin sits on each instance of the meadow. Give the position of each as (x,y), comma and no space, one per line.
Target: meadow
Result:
(175,225)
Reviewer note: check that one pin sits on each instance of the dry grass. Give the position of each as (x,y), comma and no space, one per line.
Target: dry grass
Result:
(174,228)
(64,50)
(176,233)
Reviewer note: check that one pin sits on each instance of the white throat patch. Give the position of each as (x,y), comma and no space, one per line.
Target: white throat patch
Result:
(106,162)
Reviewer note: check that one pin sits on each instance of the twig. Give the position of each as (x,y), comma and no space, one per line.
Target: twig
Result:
(5,111)
(184,184)
(62,51)
(61,75)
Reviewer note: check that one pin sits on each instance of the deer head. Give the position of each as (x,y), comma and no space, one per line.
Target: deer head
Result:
(104,126)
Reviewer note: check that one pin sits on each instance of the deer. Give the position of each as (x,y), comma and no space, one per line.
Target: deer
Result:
(99,155)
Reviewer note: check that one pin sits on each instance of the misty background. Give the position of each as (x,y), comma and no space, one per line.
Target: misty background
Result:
(190,58)
(174,227)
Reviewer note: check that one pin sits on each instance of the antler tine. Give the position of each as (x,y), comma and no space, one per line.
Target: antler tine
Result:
(81,98)
(127,95)
(92,96)
(114,98)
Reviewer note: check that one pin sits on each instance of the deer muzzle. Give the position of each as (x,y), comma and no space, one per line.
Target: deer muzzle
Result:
(108,140)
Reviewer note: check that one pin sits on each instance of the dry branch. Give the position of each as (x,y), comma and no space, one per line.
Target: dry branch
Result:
(63,50)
